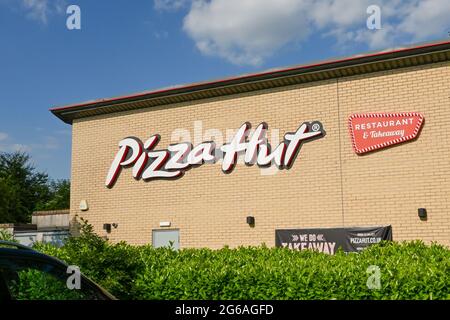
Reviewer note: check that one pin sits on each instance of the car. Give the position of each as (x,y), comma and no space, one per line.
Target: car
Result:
(26,274)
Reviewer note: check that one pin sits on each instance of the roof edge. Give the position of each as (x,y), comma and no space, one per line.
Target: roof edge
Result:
(61,111)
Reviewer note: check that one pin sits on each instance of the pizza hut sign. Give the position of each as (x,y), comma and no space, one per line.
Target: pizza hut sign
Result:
(372,131)
(148,163)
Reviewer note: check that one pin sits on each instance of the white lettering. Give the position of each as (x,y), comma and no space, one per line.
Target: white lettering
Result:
(258,137)
(202,153)
(177,161)
(143,159)
(232,149)
(295,141)
(153,171)
(126,145)
(171,163)
(374,20)
(73,21)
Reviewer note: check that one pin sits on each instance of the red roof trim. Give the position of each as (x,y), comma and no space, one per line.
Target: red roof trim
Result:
(193,86)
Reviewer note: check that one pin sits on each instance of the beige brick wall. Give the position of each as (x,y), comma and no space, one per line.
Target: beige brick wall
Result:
(328,185)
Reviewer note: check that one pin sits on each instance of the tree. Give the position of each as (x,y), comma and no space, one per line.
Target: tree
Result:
(21,187)
(59,196)
(5,214)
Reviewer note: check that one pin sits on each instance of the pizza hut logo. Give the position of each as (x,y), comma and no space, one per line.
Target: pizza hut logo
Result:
(148,163)
(372,131)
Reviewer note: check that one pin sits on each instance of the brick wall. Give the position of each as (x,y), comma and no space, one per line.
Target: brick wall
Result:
(328,185)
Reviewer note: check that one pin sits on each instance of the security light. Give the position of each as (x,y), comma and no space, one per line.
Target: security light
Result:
(422,213)
(107,227)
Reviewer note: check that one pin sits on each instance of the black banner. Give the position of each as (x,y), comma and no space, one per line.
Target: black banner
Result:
(328,240)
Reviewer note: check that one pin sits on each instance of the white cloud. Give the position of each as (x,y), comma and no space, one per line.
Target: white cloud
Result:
(63,132)
(46,144)
(161,34)
(246,31)
(249,31)
(50,143)
(425,19)
(20,148)
(15,147)
(343,13)
(37,10)
(170,4)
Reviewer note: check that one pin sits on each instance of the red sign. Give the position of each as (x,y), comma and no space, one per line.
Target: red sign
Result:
(372,131)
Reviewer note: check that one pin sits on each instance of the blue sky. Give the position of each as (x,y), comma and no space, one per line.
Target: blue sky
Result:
(123,48)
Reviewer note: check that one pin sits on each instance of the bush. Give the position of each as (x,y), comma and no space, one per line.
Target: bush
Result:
(6,236)
(409,270)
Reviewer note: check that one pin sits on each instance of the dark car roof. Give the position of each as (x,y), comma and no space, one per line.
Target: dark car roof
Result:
(17,250)
(30,254)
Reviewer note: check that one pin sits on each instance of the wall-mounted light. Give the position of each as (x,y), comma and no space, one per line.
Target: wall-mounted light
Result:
(163,224)
(84,205)
(115,225)
(422,213)
(107,227)
(251,221)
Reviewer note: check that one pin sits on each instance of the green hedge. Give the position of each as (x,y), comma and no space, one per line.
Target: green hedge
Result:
(410,270)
